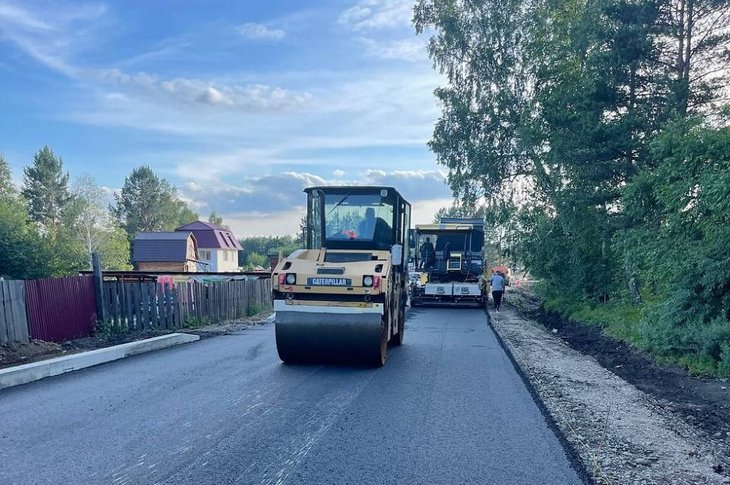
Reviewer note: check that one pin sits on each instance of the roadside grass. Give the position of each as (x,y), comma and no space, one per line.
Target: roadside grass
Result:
(195,322)
(256,309)
(107,330)
(618,319)
(693,351)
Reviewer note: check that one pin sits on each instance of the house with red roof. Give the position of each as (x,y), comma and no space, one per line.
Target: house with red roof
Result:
(217,246)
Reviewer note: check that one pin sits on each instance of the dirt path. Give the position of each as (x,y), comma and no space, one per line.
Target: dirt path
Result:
(622,434)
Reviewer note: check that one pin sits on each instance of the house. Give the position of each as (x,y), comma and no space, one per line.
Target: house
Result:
(217,245)
(166,251)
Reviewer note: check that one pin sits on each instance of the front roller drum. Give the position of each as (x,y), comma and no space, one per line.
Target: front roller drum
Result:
(331,337)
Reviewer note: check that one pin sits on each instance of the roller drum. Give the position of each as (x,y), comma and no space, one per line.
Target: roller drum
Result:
(330,337)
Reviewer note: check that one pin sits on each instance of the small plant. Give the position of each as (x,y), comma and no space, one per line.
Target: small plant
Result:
(107,329)
(255,310)
(723,368)
(195,322)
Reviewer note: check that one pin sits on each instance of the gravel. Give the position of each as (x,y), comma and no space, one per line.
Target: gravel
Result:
(622,434)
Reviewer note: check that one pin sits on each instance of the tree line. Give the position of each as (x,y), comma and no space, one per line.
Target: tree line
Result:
(596,135)
(50,227)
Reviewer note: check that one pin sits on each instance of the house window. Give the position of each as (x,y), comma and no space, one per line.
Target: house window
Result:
(205,254)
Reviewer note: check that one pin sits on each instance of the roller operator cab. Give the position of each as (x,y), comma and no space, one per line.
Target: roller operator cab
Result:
(449,263)
(343,297)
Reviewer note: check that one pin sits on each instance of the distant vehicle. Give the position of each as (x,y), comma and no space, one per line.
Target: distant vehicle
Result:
(344,296)
(450,266)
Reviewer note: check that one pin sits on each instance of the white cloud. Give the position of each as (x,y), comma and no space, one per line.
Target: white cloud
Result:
(411,49)
(54,45)
(273,205)
(260,32)
(377,14)
(247,97)
(338,173)
(49,41)
(10,14)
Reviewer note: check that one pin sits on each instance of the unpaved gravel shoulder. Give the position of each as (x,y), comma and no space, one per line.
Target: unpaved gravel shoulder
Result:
(621,434)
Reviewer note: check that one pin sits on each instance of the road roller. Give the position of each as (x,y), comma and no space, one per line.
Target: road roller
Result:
(343,297)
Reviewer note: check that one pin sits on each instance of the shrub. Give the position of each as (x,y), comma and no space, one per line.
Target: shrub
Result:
(107,329)
(255,310)
(723,368)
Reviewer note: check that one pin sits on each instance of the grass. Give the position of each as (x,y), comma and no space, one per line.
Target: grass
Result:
(255,310)
(623,321)
(617,318)
(107,330)
(193,322)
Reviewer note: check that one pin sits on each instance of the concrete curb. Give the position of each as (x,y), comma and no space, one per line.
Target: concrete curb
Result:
(22,374)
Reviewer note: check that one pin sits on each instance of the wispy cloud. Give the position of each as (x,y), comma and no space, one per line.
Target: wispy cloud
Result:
(260,32)
(409,49)
(251,97)
(377,14)
(50,42)
(55,45)
(21,18)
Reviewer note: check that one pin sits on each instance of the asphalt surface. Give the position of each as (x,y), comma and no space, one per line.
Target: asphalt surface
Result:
(447,408)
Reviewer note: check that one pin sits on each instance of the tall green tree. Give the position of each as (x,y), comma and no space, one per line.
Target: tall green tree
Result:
(214,218)
(94,225)
(7,189)
(46,189)
(149,203)
(264,245)
(695,46)
(595,133)
(22,252)
(478,47)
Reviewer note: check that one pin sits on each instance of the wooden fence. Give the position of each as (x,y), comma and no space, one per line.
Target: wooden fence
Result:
(60,309)
(139,306)
(13,321)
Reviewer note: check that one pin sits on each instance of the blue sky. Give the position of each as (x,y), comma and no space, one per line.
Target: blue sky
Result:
(239,104)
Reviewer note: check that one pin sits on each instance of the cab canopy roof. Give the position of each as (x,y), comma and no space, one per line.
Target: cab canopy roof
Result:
(474,221)
(354,189)
(446,227)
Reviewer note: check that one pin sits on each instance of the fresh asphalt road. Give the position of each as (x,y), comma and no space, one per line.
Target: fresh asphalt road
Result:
(447,408)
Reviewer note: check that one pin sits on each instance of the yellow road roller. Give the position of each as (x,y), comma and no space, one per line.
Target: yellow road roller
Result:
(343,297)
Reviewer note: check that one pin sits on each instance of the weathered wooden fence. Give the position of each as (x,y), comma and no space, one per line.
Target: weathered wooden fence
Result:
(60,309)
(139,306)
(13,321)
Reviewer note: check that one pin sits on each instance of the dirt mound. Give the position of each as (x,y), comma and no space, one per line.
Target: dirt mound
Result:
(15,353)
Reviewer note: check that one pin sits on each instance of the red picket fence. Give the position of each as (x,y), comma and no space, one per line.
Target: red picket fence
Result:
(61,309)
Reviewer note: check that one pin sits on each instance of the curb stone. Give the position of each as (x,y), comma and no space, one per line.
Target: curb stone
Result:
(23,374)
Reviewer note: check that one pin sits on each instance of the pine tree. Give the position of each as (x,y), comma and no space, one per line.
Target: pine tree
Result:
(46,189)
